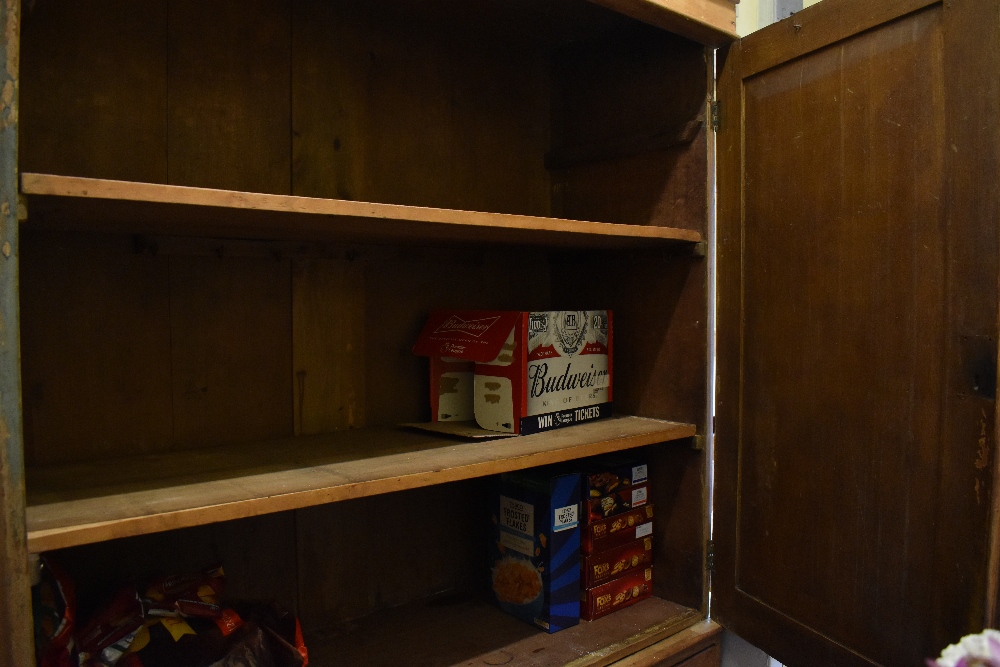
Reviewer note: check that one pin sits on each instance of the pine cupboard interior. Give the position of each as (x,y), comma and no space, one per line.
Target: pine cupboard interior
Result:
(149,333)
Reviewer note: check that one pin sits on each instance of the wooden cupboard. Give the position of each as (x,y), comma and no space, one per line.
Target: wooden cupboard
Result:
(224,223)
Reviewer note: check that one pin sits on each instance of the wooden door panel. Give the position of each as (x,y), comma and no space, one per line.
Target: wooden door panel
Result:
(849,429)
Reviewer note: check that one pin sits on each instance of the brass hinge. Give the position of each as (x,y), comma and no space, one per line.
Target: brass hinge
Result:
(715,115)
(710,556)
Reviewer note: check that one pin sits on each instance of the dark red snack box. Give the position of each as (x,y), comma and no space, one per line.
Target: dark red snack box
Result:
(612,473)
(616,503)
(617,530)
(617,594)
(602,567)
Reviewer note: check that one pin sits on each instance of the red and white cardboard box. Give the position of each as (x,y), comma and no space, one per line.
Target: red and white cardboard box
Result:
(519,372)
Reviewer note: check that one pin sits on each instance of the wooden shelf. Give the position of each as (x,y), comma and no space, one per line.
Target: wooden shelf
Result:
(87,204)
(96,501)
(453,632)
(711,22)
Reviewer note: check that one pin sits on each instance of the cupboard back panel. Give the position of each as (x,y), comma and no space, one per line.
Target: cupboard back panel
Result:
(175,344)
(455,106)
(395,106)
(660,332)
(354,100)
(96,112)
(331,563)
(228,92)
(629,130)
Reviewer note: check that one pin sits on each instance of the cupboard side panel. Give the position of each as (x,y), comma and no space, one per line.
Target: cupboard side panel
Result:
(660,307)
(15,597)
(628,123)
(97,112)
(229,106)
(403,104)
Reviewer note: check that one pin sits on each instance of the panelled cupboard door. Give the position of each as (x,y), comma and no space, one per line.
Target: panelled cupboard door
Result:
(858,259)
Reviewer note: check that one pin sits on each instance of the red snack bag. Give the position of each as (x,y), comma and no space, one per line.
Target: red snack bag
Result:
(187,595)
(53,604)
(109,634)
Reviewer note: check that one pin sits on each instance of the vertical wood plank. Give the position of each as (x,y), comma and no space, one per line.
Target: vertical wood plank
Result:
(359,556)
(95,89)
(231,349)
(328,344)
(229,114)
(17,647)
(637,83)
(96,349)
(400,103)
(404,287)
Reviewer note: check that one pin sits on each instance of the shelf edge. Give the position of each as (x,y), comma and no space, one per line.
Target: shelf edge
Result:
(47,539)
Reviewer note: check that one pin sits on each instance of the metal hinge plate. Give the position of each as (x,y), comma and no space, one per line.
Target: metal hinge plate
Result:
(710,556)
(715,115)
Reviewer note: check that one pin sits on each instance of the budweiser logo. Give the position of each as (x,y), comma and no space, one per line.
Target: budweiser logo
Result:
(472,327)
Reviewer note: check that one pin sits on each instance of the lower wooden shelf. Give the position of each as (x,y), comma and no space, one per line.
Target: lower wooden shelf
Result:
(89,502)
(462,632)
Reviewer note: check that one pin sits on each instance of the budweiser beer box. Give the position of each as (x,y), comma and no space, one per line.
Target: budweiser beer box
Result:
(617,530)
(519,372)
(617,594)
(535,551)
(602,567)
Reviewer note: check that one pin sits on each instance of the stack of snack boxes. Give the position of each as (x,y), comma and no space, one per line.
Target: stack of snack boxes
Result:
(617,542)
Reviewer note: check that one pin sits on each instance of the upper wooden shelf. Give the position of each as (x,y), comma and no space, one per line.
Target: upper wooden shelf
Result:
(711,22)
(72,203)
(96,501)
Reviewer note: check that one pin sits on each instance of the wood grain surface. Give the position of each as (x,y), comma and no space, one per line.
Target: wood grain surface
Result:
(453,631)
(117,206)
(696,646)
(99,112)
(711,22)
(858,289)
(80,503)
(229,103)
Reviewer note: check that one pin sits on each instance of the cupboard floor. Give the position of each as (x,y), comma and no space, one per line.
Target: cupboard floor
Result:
(466,631)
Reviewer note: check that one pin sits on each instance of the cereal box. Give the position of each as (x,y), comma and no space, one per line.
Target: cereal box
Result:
(535,549)
(617,594)
(607,565)
(617,530)
(519,372)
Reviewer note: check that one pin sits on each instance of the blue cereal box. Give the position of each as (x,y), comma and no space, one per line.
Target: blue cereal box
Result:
(535,548)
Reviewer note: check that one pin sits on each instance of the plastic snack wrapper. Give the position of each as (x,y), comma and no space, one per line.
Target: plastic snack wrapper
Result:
(183,621)
(53,604)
